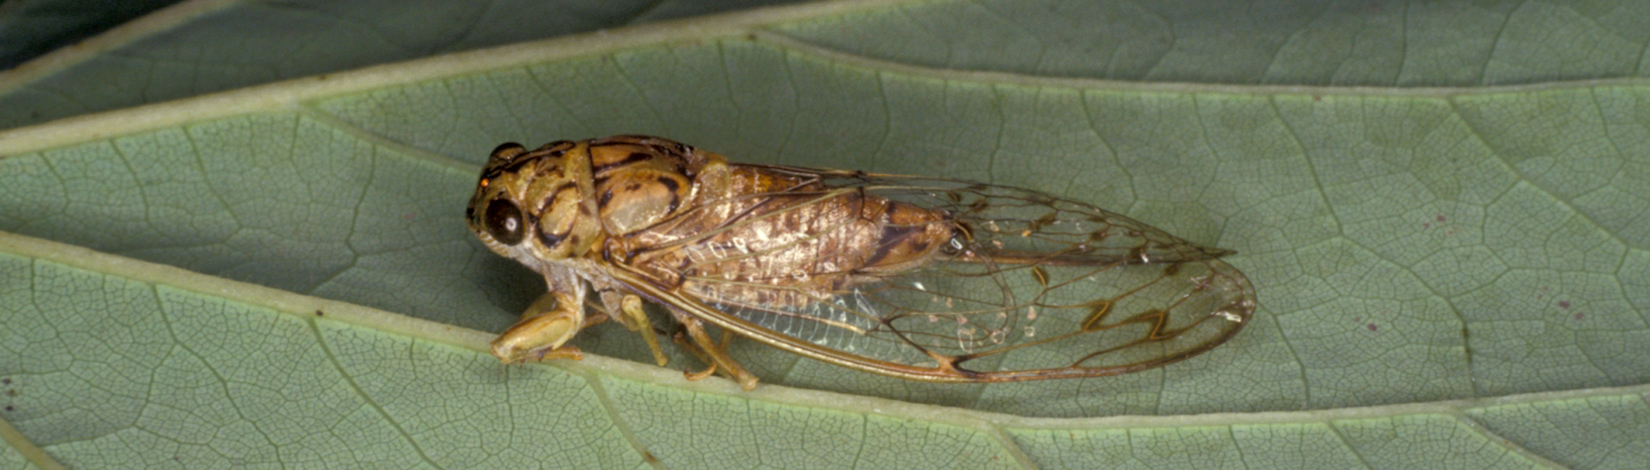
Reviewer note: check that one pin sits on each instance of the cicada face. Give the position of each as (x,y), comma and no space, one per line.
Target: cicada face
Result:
(535,207)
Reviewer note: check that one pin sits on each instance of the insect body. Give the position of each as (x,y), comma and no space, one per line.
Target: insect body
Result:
(920,278)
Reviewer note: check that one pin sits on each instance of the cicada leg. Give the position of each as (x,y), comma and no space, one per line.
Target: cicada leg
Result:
(627,309)
(681,340)
(712,353)
(543,331)
(633,317)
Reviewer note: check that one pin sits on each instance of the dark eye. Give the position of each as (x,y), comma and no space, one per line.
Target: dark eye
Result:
(503,221)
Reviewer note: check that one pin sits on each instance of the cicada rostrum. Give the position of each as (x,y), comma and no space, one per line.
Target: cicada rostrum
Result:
(920,278)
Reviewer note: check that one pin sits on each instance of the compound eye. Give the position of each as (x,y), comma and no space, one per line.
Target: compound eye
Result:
(507,151)
(503,222)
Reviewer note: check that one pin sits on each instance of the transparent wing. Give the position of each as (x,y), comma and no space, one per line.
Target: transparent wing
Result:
(1029,286)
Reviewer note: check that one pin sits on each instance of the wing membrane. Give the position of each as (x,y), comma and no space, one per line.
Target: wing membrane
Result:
(1030,286)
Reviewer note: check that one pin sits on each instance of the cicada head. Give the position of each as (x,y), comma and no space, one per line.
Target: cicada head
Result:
(536,206)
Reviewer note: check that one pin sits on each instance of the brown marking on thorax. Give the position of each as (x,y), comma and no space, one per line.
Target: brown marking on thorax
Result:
(641,181)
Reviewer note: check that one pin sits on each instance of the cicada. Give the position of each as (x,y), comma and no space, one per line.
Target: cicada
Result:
(919,278)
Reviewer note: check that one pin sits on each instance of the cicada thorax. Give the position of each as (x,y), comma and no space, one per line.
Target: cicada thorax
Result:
(640,181)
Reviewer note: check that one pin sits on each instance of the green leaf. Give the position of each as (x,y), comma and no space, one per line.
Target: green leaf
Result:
(1451,275)
(29,28)
(203,46)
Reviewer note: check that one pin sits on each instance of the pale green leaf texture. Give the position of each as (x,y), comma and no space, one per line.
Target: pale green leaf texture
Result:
(1454,271)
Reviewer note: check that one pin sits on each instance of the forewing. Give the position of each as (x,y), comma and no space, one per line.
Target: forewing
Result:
(1030,287)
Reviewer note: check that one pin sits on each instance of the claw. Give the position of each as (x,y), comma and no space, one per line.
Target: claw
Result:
(700,375)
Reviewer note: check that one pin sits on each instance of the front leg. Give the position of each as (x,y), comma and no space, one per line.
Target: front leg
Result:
(544,330)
